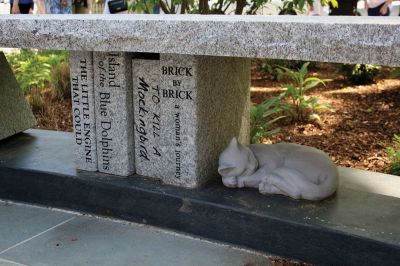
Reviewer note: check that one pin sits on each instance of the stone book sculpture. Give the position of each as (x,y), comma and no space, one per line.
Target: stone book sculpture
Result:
(297,171)
(114,112)
(147,109)
(84,122)
(186,109)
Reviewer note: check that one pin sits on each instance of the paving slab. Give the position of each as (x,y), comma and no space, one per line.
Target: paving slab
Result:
(98,241)
(4,262)
(18,223)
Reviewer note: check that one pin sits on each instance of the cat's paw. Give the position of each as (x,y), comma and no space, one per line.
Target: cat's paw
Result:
(265,188)
(231,181)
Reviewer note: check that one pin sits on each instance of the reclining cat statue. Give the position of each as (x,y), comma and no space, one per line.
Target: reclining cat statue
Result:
(297,171)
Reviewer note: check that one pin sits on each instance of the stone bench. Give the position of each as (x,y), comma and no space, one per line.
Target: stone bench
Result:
(354,227)
(189,94)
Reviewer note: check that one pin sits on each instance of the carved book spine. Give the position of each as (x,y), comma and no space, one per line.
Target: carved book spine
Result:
(179,120)
(114,112)
(187,108)
(149,157)
(165,121)
(84,123)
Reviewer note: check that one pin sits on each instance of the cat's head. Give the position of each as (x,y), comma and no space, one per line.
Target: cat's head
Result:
(236,160)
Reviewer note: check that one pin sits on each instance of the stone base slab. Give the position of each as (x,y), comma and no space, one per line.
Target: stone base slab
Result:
(354,227)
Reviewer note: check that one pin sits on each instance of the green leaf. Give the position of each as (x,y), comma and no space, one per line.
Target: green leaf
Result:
(311,82)
(315,116)
(395,73)
(303,72)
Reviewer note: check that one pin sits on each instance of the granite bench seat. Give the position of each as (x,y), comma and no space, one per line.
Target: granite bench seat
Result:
(370,40)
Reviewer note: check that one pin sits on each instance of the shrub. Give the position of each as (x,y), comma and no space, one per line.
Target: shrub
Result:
(395,73)
(394,156)
(359,74)
(299,107)
(263,116)
(32,68)
(292,103)
(36,100)
(272,66)
(290,6)
(249,7)
(60,81)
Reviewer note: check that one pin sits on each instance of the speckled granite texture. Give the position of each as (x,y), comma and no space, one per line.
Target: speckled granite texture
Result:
(149,158)
(373,40)
(114,112)
(15,112)
(82,91)
(204,102)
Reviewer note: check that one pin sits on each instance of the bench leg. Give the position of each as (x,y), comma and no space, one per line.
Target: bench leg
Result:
(187,109)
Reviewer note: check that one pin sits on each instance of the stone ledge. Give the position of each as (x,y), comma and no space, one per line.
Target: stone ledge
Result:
(371,40)
(352,228)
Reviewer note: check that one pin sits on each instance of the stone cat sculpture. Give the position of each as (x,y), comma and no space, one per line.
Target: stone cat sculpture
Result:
(297,171)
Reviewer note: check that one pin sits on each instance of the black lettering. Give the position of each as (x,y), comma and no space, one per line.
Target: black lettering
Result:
(164,70)
(156,152)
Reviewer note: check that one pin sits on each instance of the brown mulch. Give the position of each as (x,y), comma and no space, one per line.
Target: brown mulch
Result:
(356,134)
(55,113)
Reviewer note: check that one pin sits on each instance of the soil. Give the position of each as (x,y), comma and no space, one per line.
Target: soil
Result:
(357,132)
(355,135)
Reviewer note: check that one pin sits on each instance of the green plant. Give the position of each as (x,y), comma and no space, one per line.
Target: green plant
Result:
(263,116)
(395,73)
(290,7)
(359,74)
(237,7)
(36,100)
(60,81)
(394,156)
(300,106)
(32,68)
(272,66)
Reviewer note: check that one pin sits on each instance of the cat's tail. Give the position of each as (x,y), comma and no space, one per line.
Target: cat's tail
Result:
(294,184)
(323,190)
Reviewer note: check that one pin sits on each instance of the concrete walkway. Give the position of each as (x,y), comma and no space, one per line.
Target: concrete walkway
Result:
(31,235)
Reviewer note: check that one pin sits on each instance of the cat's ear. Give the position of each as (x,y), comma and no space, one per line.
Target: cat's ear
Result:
(225,170)
(234,143)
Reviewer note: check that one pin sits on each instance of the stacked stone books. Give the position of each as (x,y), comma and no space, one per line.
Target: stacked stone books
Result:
(164,116)
(103,111)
